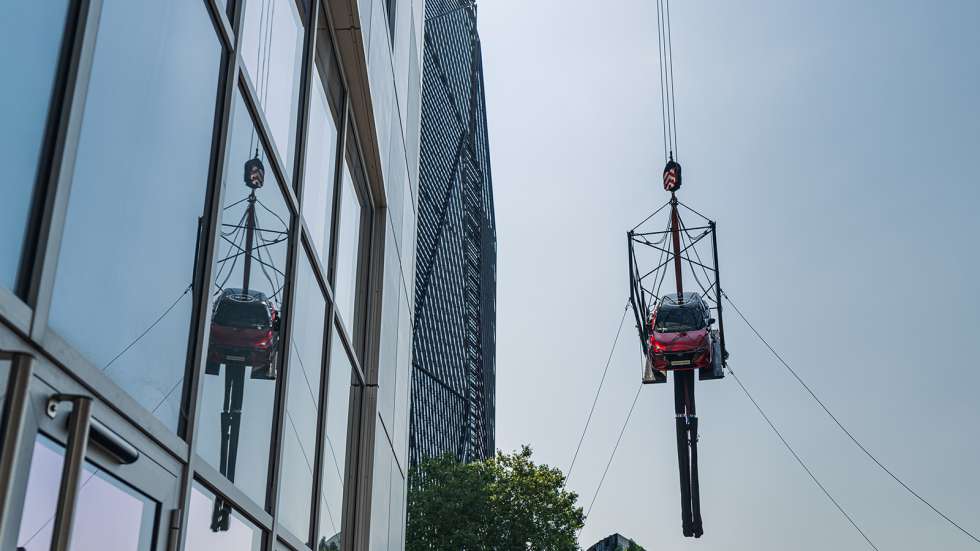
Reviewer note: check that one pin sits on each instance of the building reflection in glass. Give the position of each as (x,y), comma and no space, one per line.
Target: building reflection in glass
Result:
(244,344)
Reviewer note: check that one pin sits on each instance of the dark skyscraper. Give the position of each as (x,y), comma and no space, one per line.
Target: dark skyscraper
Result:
(453,356)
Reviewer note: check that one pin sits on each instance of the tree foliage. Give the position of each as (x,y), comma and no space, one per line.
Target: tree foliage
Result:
(505,502)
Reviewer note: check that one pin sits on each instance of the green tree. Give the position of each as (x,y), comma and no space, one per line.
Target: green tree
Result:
(505,502)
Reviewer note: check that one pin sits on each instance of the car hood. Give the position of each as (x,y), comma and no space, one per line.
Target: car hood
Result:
(237,335)
(688,340)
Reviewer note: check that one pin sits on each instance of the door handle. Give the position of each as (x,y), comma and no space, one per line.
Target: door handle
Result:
(78,431)
(122,451)
(113,444)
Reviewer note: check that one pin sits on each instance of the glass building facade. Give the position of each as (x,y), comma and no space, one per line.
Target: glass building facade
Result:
(207,255)
(453,355)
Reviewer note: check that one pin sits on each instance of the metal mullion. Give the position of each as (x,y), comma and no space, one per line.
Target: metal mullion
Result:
(43,182)
(15,311)
(302,116)
(282,389)
(221,23)
(357,488)
(339,168)
(228,88)
(349,348)
(16,408)
(54,210)
(372,278)
(264,132)
(332,32)
(318,269)
(289,540)
(214,481)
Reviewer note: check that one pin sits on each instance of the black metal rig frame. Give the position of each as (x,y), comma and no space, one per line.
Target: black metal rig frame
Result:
(644,294)
(234,385)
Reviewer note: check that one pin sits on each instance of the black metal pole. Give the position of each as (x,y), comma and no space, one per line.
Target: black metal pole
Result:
(721,319)
(676,237)
(692,431)
(683,453)
(639,308)
(249,241)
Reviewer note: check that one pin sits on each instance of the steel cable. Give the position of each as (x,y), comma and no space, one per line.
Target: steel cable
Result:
(613,454)
(844,429)
(597,391)
(801,462)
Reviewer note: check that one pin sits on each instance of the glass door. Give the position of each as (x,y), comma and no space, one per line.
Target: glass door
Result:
(71,482)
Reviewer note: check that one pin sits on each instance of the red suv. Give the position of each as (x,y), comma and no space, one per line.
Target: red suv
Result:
(244,330)
(681,337)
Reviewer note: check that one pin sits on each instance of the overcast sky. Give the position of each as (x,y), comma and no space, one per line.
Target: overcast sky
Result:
(836,144)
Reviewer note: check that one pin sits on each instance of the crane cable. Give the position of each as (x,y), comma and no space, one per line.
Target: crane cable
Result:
(597,390)
(801,462)
(844,429)
(613,454)
(668,102)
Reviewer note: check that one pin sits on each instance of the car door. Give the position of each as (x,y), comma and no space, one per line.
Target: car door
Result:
(73,474)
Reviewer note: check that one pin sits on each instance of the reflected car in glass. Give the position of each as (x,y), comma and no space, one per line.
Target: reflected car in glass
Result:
(244,331)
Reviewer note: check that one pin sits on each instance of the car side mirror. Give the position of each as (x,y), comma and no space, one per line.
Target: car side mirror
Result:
(275,324)
(711,321)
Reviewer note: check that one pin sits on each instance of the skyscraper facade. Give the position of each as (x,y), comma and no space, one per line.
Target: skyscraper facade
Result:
(453,355)
(207,243)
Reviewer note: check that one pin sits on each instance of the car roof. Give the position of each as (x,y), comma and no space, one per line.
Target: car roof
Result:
(675,300)
(257,295)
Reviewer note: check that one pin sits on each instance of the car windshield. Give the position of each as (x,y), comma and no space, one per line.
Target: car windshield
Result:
(233,313)
(676,320)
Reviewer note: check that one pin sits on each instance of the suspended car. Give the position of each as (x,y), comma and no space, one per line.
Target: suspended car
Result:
(682,338)
(244,331)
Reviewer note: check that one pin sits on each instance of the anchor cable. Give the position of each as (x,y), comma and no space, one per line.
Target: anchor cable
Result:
(597,391)
(801,462)
(844,429)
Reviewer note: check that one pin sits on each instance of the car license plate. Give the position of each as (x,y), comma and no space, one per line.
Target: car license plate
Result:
(681,362)
(236,358)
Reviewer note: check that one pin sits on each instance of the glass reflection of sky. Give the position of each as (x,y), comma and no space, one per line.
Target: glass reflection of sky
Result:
(252,464)
(321,161)
(272,48)
(108,517)
(299,434)
(338,406)
(29,71)
(139,186)
(348,236)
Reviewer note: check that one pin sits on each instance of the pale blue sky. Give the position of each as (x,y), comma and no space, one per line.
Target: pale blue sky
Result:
(836,144)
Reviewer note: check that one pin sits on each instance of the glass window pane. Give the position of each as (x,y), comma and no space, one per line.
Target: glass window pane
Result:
(348,239)
(321,162)
(109,515)
(239,392)
(272,48)
(212,525)
(335,451)
(303,401)
(32,34)
(122,291)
